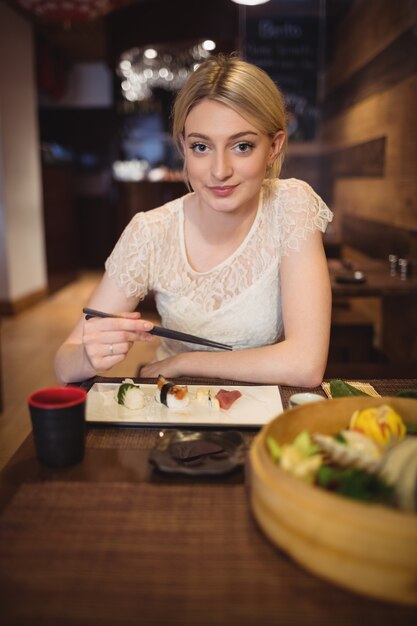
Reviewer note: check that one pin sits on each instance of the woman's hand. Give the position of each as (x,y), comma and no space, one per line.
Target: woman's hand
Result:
(169,367)
(107,340)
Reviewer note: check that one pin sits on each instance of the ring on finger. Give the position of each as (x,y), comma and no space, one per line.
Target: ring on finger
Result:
(111,349)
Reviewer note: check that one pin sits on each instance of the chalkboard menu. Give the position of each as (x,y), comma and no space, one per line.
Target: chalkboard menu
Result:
(287,48)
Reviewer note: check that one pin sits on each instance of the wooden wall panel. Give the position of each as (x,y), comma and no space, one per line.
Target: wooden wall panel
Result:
(368,28)
(386,201)
(390,197)
(305,167)
(402,147)
(391,66)
(370,110)
(379,240)
(361,159)
(390,113)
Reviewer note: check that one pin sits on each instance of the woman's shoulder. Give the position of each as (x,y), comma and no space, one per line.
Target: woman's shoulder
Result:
(286,188)
(293,194)
(160,215)
(155,223)
(294,203)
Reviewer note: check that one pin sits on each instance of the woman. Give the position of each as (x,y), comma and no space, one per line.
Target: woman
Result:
(238,260)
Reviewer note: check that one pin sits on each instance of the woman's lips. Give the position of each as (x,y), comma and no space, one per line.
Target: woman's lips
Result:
(223,191)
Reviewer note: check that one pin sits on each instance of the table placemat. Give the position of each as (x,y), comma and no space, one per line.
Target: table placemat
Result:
(387,386)
(122,438)
(116,553)
(391,386)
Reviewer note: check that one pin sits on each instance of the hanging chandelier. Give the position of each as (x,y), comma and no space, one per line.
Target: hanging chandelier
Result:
(142,70)
(69,11)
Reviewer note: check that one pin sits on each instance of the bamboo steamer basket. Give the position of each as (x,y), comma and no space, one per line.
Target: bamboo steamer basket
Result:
(367,548)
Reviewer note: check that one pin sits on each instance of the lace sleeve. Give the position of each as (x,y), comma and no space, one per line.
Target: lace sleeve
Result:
(301,212)
(128,263)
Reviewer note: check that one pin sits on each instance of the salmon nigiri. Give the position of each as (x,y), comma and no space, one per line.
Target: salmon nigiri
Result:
(171,395)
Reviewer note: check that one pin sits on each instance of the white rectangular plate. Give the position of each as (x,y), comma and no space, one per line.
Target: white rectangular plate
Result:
(256,406)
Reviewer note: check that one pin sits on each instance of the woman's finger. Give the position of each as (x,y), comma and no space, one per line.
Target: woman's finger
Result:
(117,349)
(134,325)
(99,335)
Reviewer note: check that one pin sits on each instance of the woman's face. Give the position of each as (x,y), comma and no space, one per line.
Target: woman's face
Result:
(226,157)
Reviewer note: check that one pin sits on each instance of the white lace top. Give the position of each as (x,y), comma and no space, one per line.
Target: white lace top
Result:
(223,303)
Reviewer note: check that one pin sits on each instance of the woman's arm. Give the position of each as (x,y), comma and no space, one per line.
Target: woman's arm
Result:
(98,344)
(300,359)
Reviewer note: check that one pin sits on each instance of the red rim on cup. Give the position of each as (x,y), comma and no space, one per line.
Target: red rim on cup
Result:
(57,397)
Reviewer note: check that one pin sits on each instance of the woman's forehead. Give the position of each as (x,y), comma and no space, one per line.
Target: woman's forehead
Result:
(217,115)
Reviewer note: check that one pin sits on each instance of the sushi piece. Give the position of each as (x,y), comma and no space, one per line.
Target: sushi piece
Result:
(130,395)
(227,398)
(172,396)
(206,398)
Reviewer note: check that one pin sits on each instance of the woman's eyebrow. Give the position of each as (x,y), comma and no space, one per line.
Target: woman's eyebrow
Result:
(244,133)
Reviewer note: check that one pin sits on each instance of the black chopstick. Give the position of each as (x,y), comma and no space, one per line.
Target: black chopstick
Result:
(164,332)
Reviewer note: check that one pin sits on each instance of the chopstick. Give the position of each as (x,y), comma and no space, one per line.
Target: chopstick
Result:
(164,332)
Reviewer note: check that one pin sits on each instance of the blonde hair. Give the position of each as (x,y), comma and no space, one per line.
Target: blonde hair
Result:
(243,87)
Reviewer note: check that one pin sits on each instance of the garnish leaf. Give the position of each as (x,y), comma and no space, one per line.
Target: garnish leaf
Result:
(341,389)
(355,483)
(123,389)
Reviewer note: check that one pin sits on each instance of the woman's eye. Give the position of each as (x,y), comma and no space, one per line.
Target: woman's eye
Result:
(200,148)
(244,146)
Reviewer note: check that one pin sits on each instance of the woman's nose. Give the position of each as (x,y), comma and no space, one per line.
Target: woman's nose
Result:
(221,167)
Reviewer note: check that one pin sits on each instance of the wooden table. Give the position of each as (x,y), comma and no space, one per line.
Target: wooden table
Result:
(112,542)
(398,304)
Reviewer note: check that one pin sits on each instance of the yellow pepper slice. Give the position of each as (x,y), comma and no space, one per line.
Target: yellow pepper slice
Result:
(381,423)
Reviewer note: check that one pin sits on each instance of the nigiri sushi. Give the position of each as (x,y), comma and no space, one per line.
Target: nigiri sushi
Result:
(207,398)
(172,396)
(130,395)
(226,397)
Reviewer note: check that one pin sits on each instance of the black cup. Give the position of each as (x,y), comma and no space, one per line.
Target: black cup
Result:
(58,422)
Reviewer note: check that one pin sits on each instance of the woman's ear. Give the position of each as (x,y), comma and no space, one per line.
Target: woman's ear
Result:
(277,143)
